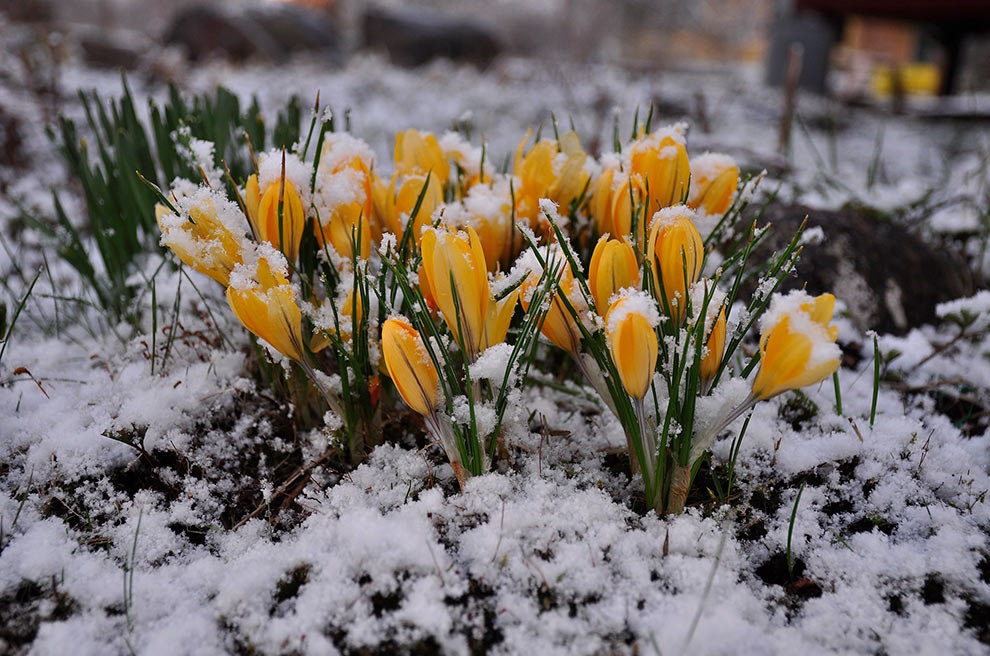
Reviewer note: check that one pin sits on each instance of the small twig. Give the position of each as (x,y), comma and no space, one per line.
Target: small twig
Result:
(23,370)
(852,422)
(938,350)
(300,473)
(531,565)
(924,452)
(501,523)
(436,564)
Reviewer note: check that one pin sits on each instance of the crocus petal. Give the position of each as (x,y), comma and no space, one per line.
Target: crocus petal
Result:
(498,320)
(287,233)
(409,367)
(798,349)
(633,344)
(675,253)
(458,275)
(714,348)
(271,314)
(613,267)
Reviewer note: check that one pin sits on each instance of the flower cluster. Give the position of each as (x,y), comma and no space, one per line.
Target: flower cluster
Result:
(443,273)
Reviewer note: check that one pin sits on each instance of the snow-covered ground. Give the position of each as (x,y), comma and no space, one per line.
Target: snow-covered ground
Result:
(205,545)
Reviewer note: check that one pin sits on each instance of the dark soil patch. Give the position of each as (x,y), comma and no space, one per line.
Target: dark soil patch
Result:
(933,590)
(966,411)
(977,618)
(21,611)
(867,523)
(798,587)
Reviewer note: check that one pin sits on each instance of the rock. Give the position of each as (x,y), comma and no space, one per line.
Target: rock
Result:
(27,11)
(889,279)
(108,48)
(205,32)
(297,29)
(271,33)
(414,37)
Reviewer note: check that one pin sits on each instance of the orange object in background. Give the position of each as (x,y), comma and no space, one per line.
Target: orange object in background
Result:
(893,56)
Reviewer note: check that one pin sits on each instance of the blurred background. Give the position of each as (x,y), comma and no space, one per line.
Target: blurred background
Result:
(855,50)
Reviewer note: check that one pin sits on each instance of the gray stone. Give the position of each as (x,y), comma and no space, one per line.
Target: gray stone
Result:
(890,279)
(413,37)
(271,33)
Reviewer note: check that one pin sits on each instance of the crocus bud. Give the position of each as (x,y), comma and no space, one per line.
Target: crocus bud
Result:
(613,267)
(262,299)
(263,212)
(395,203)
(553,169)
(420,153)
(572,178)
(714,178)
(675,253)
(409,365)
(454,265)
(344,205)
(661,160)
(203,238)
(348,232)
(615,199)
(559,324)
(489,211)
(535,175)
(632,340)
(498,319)
(714,348)
(797,344)
(601,201)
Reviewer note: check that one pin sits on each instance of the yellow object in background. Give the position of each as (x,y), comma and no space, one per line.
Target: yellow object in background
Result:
(914,79)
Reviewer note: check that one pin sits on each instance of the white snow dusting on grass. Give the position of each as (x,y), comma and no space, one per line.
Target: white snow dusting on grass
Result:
(178,543)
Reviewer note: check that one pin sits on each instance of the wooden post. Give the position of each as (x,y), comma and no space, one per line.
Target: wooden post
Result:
(795,58)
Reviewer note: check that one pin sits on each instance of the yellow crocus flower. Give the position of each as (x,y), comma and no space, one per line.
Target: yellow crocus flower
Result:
(201,240)
(350,314)
(632,340)
(542,175)
(535,174)
(262,209)
(616,200)
(456,274)
(559,325)
(675,253)
(714,349)
(498,320)
(349,233)
(264,301)
(419,153)
(497,239)
(571,178)
(601,202)
(662,163)
(409,366)
(347,226)
(395,203)
(797,344)
(714,178)
(613,267)
(489,211)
